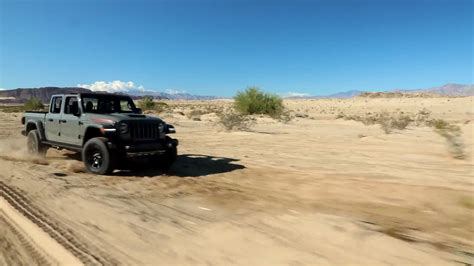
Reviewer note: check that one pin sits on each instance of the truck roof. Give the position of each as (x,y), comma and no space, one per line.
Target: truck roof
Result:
(92,94)
(104,94)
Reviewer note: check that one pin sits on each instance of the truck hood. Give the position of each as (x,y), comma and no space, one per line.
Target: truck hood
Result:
(116,117)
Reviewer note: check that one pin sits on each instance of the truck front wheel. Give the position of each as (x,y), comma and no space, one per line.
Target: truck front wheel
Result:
(97,157)
(166,160)
(34,144)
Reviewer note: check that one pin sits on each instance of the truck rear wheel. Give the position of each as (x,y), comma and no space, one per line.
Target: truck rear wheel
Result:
(97,157)
(34,144)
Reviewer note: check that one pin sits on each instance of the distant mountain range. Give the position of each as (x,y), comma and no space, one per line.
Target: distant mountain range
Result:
(21,95)
(171,96)
(450,89)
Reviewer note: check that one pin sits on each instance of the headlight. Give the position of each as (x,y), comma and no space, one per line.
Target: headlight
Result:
(123,128)
(161,127)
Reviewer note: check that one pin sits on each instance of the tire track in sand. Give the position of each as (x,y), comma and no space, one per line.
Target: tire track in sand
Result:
(62,247)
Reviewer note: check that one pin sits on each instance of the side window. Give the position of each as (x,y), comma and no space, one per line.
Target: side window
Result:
(56,105)
(89,105)
(71,106)
(125,106)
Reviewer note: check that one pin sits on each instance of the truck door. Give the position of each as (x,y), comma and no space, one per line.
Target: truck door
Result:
(71,126)
(52,123)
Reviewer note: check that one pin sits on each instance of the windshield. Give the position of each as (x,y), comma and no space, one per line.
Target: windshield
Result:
(105,104)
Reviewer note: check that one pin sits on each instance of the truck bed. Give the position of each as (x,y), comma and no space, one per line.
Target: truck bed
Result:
(35,116)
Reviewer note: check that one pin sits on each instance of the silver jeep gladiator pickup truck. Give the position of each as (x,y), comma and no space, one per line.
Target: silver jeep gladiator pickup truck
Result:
(105,128)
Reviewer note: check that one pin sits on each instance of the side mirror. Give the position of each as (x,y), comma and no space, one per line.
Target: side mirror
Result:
(138,110)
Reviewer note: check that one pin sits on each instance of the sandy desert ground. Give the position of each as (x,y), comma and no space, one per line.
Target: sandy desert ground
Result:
(313,191)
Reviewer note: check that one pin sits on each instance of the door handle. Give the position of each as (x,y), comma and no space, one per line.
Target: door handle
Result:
(62,121)
(80,123)
(50,120)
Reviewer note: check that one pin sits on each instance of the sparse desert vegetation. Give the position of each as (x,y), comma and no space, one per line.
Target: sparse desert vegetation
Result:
(399,121)
(452,134)
(387,121)
(342,178)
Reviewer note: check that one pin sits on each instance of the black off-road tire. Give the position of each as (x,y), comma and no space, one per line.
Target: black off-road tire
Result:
(34,144)
(166,160)
(97,157)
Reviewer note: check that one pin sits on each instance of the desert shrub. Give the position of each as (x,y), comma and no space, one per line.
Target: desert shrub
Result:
(196,114)
(199,110)
(388,122)
(422,117)
(285,116)
(341,116)
(147,104)
(255,101)
(34,104)
(234,121)
(452,135)
(161,107)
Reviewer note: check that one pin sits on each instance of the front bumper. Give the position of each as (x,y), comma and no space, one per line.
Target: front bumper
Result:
(145,148)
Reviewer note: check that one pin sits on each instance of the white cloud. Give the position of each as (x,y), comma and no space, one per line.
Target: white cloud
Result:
(3,89)
(112,86)
(174,91)
(294,94)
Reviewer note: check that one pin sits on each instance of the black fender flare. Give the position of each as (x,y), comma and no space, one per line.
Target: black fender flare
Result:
(39,126)
(87,133)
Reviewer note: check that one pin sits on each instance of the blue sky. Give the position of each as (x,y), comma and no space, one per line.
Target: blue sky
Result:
(219,47)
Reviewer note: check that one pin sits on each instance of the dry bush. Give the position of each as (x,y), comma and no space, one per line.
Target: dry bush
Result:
(285,116)
(195,115)
(148,104)
(422,117)
(234,121)
(388,122)
(452,135)
(198,110)
(161,107)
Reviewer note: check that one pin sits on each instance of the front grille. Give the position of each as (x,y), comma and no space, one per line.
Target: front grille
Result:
(144,131)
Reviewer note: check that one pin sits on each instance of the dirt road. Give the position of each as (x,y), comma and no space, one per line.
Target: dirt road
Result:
(315,190)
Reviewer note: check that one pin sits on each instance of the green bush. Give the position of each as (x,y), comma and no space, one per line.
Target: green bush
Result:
(255,101)
(34,104)
(147,103)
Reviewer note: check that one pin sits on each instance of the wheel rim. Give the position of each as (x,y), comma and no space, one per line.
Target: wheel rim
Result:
(31,145)
(95,159)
